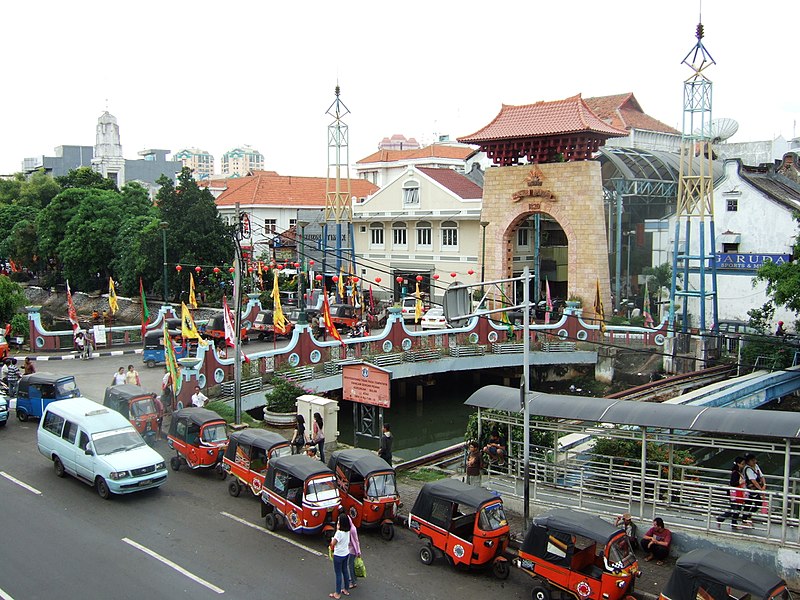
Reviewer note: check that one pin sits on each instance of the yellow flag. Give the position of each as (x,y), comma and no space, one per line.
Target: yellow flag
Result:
(418,306)
(188,327)
(112,296)
(341,287)
(278,320)
(598,309)
(192,299)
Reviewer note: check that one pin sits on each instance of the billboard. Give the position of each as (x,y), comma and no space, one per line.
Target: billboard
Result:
(749,262)
(366,384)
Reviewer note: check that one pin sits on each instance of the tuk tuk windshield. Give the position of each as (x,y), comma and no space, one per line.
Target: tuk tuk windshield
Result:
(381,485)
(142,407)
(117,440)
(215,432)
(282,451)
(492,517)
(322,489)
(66,387)
(620,554)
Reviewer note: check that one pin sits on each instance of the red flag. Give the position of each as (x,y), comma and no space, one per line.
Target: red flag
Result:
(326,318)
(145,312)
(71,312)
(371,301)
(549,302)
(227,319)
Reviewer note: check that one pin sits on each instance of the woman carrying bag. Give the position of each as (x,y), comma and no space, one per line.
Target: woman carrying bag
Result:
(318,436)
(340,553)
(299,437)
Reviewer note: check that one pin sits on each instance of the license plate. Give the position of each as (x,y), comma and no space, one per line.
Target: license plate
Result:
(146,482)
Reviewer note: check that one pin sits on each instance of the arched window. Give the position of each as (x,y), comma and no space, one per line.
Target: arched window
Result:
(399,234)
(411,192)
(376,234)
(449,235)
(424,237)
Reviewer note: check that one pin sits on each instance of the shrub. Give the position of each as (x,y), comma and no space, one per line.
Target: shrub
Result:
(19,325)
(227,412)
(282,398)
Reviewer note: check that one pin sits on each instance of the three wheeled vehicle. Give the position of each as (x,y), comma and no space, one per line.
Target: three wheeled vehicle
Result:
(301,493)
(153,352)
(464,523)
(37,390)
(713,575)
(579,554)
(199,437)
(367,489)
(136,405)
(247,458)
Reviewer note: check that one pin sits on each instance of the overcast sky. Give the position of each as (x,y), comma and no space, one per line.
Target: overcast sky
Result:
(217,75)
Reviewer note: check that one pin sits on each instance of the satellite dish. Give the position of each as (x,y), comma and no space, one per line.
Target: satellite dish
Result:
(719,130)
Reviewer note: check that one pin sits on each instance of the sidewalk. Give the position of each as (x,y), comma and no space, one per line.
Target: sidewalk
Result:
(74,354)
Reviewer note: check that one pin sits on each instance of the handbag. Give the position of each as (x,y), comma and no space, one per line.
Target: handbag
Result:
(738,495)
(359,567)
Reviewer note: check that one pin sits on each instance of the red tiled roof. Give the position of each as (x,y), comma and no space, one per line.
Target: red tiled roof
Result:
(270,189)
(459,184)
(623,111)
(542,119)
(432,151)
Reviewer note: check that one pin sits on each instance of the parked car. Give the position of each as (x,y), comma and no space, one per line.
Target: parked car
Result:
(408,306)
(434,319)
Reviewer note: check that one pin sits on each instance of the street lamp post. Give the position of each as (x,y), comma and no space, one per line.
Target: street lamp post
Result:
(164,225)
(628,268)
(484,225)
(301,303)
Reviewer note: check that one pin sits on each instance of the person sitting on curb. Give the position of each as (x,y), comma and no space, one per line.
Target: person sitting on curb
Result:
(495,448)
(656,542)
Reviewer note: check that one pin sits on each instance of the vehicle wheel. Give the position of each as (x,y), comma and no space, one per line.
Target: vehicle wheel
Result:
(234,489)
(58,467)
(540,593)
(3,423)
(22,415)
(175,463)
(102,488)
(426,554)
(260,337)
(501,569)
(387,531)
(151,364)
(328,535)
(270,522)
(221,473)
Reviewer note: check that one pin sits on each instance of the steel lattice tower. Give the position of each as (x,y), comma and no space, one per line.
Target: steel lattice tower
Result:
(695,194)
(338,207)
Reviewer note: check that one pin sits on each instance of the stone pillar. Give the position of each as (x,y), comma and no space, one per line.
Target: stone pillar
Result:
(604,369)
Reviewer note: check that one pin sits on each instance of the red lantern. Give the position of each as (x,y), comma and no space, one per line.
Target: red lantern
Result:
(178,268)
(197,269)
(216,270)
(377,280)
(355,279)
(280,267)
(398,279)
(249,269)
(318,277)
(471,272)
(335,279)
(419,277)
(452,274)
(231,270)
(296,265)
(311,262)
(436,276)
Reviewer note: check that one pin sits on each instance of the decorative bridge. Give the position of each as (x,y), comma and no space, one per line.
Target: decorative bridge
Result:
(480,344)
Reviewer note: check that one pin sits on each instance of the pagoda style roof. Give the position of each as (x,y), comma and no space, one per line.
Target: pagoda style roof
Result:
(267,188)
(432,151)
(543,119)
(623,111)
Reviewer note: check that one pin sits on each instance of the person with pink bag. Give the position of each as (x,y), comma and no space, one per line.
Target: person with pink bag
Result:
(736,494)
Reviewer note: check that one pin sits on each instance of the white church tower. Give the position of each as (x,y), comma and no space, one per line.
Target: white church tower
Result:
(108,160)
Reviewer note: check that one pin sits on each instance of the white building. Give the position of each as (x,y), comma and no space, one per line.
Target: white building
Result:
(238,162)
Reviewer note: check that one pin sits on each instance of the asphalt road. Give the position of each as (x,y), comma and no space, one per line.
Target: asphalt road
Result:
(188,538)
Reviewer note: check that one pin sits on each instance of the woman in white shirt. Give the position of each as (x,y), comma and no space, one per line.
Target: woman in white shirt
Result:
(340,545)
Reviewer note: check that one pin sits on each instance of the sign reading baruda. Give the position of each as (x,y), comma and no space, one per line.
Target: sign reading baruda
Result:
(749,261)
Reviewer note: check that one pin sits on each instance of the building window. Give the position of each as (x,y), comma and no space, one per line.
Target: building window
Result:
(733,204)
(270,226)
(376,234)
(399,234)
(524,236)
(292,223)
(730,248)
(450,235)
(424,233)
(411,192)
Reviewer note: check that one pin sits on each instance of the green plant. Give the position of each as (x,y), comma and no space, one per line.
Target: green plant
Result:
(573,297)
(541,439)
(425,474)
(226,412)
(19,325)
(282,397)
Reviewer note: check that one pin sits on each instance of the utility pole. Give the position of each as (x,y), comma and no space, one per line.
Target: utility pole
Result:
(237,319)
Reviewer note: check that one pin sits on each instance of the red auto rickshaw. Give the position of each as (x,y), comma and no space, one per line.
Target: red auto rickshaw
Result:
(136,405)
(367,488)
(463,523)
(199,437)
(247,458)
(579,554)
(300,492)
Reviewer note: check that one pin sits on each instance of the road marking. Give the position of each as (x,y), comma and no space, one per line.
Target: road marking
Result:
(20,483)
(172,565)
(268,532)
(5,595)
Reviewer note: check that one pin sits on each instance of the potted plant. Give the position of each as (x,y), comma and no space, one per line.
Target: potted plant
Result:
(281,402)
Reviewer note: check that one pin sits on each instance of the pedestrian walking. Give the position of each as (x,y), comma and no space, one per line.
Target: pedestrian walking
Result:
(28,367)
(160,412)
(385,451)
(119,377)
(474,464)
(340,547)
(13,378)
(132,376)
(756,485)
(166,391)
(355,552)
(318,436)
(299,440)
(736,494)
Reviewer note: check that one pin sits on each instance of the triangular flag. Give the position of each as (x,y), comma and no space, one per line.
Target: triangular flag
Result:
(342,297)
(71,312)
(326,318)
(598,308)
(171,360)
(113,305)
(188,326)
(145,312)
(278,319)
(192,299)
(548,301)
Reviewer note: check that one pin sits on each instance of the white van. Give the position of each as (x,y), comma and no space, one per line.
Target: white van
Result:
(98,446)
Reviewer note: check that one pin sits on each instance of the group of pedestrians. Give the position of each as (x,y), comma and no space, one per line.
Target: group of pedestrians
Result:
(745,492)
(312,444)
(345,551)
(131,376)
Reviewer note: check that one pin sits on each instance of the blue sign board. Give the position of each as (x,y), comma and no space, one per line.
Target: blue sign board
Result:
(749,262)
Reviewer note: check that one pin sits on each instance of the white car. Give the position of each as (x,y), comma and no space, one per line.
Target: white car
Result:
(434,319)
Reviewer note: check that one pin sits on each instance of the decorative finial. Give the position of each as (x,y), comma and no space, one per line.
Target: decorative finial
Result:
(700,32)
(337,90)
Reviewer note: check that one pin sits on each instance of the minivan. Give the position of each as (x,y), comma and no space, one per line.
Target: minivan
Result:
(408,307)
(98,446)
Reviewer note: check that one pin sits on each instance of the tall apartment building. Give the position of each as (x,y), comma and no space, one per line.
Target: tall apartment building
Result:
(241,161)
(201,162)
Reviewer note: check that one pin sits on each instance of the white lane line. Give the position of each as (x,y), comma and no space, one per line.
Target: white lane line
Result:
(5,595)
(172,565)
(268,532)
(20,484)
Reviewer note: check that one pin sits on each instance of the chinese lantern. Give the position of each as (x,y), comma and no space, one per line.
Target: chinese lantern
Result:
(280,267)
(355,279)
(197,269)
(311,262)
(249,269)
(436,276)
(335,279)
(419,277)
(216,270)
(377,280)
(452,274)
(231,270)
(471,272)
(296,265)
(178,268)
(398,279)
(318,277)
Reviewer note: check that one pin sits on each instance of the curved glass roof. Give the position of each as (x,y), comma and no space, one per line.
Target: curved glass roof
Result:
(653,165)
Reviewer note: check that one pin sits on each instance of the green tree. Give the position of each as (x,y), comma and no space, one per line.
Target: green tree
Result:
(22,244)
(10,189)
(783,281)
(138,254)
(52,220)
(38,190)
(86,178)
(12,298)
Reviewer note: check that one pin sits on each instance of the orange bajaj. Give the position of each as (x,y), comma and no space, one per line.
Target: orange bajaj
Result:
(368,490)
(199,437)
(301,493)
(463,523)
(136,405)
(247,458)
(580,554)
